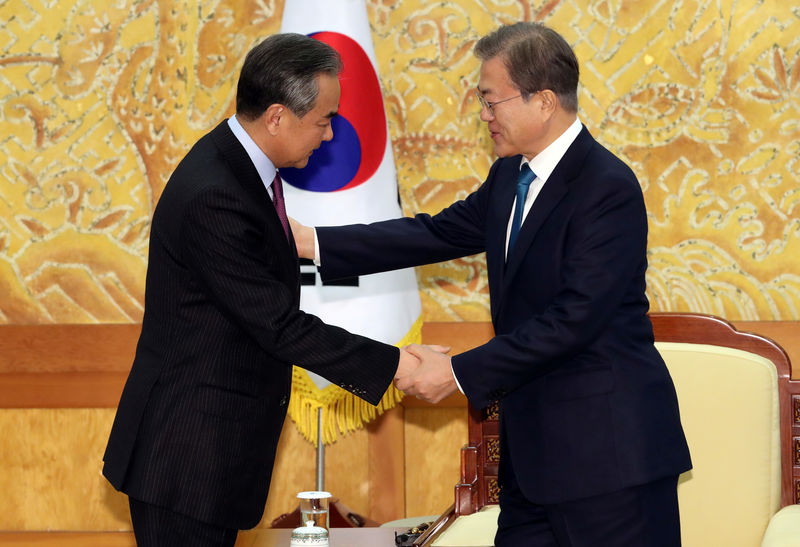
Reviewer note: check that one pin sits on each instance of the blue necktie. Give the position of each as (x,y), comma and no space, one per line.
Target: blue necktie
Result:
(524,180)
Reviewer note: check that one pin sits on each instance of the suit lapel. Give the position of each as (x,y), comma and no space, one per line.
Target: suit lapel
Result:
(554,189)
(501,202)
(552,193)
(247,175)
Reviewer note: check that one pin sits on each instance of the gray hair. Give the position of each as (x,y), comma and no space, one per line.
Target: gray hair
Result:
(536,57)
(283,69)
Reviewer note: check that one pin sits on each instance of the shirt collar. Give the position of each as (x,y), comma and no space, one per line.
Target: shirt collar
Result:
(544,163)
(266,169)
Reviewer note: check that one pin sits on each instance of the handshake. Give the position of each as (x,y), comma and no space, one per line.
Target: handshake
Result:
(425,372)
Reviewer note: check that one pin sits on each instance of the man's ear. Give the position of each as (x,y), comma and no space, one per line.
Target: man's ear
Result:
(272,118)
(549,101)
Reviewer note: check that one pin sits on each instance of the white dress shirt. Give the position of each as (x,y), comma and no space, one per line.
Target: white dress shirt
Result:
(266,169)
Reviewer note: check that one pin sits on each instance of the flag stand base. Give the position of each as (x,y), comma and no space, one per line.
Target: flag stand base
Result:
(339,515)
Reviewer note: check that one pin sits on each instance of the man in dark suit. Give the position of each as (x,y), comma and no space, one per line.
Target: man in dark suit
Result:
(591,443)
(194,439)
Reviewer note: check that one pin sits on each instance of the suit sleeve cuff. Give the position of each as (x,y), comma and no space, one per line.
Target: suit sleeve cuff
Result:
(455,377)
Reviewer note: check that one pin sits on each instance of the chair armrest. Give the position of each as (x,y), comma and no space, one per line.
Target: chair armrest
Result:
(474,530)
(783,529)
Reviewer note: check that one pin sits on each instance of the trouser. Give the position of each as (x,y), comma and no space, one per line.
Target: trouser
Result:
(156,526)
(642,516)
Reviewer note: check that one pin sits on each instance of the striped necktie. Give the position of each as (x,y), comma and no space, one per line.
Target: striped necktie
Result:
(280,204)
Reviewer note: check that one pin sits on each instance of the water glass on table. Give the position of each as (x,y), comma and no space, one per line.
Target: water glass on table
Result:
(314,507)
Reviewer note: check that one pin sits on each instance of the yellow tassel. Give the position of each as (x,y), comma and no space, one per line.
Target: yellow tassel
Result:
(342,412)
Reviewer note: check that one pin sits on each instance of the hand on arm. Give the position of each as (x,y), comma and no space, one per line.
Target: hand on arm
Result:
(303,239)
(433,380)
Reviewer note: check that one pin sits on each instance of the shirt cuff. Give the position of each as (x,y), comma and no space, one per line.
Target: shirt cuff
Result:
(317,261)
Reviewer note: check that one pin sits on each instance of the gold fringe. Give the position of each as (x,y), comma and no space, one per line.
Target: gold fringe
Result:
(342,412)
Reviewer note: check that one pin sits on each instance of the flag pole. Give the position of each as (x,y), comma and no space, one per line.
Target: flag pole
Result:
(320,454)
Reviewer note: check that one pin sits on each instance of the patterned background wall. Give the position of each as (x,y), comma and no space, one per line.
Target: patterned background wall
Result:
(99,100)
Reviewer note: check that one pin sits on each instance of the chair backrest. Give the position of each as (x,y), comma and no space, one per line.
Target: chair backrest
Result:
(729,409)
(741,413)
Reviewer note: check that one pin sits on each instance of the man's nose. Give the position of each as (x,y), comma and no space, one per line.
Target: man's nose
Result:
(486,114)
(328,135)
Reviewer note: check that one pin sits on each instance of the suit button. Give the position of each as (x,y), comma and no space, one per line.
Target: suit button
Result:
(284,400)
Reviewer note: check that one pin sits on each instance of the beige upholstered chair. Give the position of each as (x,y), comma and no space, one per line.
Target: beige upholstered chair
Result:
(741,413)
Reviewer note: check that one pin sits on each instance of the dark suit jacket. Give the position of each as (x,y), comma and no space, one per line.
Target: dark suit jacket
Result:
(587,405)
(200,416)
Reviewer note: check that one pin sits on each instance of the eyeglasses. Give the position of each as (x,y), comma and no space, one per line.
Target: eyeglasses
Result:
(490,106)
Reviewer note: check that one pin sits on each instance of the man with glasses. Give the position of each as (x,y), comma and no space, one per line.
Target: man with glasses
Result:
(591,443)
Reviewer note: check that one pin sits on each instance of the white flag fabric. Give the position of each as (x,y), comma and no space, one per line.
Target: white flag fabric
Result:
(351,179)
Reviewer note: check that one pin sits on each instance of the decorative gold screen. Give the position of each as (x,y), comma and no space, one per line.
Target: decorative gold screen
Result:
(100,99)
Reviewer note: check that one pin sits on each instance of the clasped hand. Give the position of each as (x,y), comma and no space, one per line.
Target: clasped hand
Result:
(425,372)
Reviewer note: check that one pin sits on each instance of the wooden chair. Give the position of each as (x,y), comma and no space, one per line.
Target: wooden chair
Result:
(707,357)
